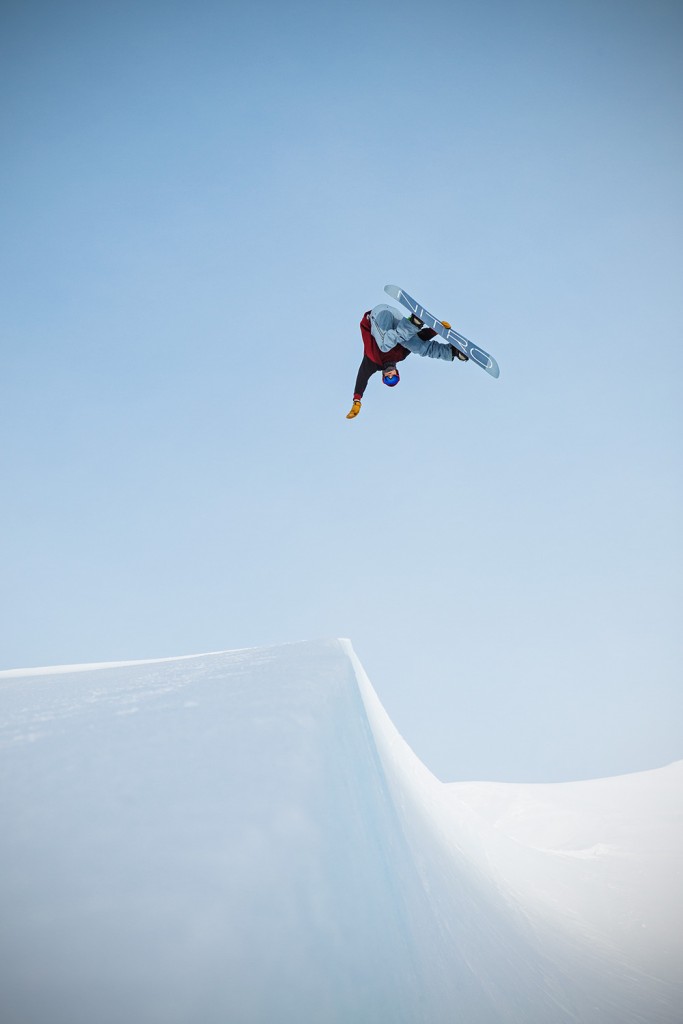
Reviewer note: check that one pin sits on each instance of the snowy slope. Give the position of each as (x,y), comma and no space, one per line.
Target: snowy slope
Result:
(244,837)
(603,854)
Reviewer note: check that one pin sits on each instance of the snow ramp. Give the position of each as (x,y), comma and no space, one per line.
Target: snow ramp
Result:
(243,838)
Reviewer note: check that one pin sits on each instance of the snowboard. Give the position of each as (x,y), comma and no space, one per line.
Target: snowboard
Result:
(476,354)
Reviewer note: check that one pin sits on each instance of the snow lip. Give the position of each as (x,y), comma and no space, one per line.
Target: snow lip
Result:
(56,670)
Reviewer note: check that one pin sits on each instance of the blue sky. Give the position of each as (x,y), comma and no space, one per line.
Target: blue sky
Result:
(199,201)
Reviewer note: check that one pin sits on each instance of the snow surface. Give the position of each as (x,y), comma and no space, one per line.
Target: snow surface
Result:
(245,837)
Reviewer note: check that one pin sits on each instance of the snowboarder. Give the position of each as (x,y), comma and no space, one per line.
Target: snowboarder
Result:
(388,338)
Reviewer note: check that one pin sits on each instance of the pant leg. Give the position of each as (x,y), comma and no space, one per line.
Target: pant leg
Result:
(389,329)
(433,349)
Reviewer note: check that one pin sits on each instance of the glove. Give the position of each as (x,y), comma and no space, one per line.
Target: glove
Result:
(355,409)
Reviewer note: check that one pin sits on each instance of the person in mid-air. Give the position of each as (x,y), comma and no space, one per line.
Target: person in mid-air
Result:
(388,338)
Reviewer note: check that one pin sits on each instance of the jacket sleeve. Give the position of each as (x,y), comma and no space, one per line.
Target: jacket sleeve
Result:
(365,372)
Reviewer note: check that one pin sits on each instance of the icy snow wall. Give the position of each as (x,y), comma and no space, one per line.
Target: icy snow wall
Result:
(244,838)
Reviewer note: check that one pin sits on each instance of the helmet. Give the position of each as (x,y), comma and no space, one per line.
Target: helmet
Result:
(390,382)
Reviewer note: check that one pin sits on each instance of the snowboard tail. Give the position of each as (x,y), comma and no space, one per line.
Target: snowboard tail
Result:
(476,354)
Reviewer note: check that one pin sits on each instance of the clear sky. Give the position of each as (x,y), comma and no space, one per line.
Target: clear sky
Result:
(199,201)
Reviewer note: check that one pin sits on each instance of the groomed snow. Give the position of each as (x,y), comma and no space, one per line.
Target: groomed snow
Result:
(244,837)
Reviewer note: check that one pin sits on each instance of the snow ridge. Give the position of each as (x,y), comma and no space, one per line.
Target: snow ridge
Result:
(244,836)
